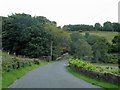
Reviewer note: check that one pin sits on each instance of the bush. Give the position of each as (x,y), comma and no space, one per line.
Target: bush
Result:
(82,64)
(111,58)
(86,65)
(17,63)
(36,61)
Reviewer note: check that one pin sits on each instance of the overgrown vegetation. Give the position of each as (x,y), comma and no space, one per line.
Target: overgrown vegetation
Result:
(23,34)
(88,66)
(92,48)
(107,86)
(99,75)
(37,37)
(15,67)
(11,62)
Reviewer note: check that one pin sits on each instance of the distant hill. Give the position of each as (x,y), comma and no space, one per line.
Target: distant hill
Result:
(108,35)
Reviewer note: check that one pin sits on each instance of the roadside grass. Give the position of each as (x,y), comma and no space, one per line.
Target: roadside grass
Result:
(10,77)
(108,35)
(105,85)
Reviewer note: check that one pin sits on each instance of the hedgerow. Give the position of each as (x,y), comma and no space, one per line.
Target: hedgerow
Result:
(88,66)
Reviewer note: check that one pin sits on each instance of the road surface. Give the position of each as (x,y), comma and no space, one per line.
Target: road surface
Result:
(53,75)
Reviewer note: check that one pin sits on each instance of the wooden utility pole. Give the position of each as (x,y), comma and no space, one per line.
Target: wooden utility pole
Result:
(119,12)
(51,50)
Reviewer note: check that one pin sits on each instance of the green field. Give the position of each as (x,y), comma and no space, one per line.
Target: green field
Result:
(108,35)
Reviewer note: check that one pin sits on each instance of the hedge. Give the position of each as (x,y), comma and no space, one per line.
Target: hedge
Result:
(89,70)
(17,63)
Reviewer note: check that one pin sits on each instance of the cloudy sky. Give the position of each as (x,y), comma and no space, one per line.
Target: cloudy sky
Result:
(64,11)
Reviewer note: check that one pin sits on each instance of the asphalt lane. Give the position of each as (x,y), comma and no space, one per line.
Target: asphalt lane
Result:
(54,75)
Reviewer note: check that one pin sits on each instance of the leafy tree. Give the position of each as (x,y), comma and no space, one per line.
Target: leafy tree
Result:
(83,50)
(98,26)
(60,40)
(0,32)
(116,39)
(79,47)
(75,36)
(116,44)
(116,27)
(100,49)
(38,44)
(91,39)
(25,35)
(107,26)
(42,20)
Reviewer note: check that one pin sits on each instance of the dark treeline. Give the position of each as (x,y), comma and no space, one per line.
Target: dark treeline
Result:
(37,37)
(107,26)
(32,36)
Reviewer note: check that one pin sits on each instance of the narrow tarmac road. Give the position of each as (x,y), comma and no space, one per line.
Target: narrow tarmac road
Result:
(53,75)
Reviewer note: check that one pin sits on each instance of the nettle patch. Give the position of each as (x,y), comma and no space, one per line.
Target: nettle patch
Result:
(16,63)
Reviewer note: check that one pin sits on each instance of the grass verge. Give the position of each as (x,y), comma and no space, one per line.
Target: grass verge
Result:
(107,86)
(10,77)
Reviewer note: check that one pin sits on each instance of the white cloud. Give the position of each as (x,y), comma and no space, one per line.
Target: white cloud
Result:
(65,11)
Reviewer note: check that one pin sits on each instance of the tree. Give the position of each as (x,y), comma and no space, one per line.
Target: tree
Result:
(116,27)
(42,20)
(116,39)
(75,36)
(116,44)
(25,35)
(60,40)
(79,47)
(91,39)
(107,26)
(83,50)
(100,49)
(0,32)
(98,26)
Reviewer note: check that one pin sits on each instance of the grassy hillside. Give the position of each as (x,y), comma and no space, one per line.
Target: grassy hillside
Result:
(108,35)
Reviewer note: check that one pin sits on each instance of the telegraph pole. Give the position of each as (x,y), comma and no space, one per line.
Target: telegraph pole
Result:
(51,50)
(119,22)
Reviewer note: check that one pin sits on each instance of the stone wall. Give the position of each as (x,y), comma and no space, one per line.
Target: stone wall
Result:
(107,77)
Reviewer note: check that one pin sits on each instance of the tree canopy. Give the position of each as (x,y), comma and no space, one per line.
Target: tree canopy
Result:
(107,26)
(37,37)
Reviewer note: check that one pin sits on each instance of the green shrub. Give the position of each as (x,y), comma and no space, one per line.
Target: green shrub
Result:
(36,61)
(82,64)
(116,71)
(17,63)
(88,66)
